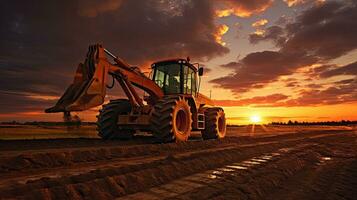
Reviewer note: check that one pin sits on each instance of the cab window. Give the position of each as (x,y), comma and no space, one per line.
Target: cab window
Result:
(189,80)
(167,76)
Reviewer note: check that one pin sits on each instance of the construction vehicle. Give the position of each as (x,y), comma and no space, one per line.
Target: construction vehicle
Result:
(170,110)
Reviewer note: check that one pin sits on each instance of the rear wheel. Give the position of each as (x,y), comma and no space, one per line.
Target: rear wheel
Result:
(215,124)
(108,117)
(171,119)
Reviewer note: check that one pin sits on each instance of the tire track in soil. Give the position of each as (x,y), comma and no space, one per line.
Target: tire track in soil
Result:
(130,178)
(187,185)
(333,177)
(44,167)
(325,170)
(51,158)
(116,181)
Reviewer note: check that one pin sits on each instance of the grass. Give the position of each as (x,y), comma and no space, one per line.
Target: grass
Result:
(46,132)
(14,132)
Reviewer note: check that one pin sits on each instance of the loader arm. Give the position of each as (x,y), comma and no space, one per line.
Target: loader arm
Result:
(89,85)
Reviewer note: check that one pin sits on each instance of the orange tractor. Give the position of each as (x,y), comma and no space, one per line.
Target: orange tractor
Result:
(172,108)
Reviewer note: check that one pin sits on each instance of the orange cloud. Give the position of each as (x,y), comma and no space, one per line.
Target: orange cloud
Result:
(42,97)
(303,43)
(261,22)
(299,2)
(259,32)
(94,8)
(243,8)
(221,30)
(269,99)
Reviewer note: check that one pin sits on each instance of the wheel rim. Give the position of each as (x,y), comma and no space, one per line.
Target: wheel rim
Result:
(220,124)
(181,121)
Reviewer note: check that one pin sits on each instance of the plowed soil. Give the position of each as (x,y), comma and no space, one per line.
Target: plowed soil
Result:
(299,164)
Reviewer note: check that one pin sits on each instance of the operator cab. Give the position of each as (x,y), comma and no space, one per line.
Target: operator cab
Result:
(176,76)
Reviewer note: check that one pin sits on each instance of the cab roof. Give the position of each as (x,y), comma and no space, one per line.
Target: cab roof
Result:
(175,60)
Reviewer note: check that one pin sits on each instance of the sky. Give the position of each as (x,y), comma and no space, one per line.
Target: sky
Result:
(278,59)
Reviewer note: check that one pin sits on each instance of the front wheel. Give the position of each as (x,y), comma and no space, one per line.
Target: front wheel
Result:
(215,124)
(108,117)
(171,119)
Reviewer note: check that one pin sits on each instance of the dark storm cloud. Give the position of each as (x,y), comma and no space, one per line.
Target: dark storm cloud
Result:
(350,69)
(340,93)
(17,102)
(311,95)
(273,33)
(136,30)
(231,65)
(321,33)
(23,78)
(292,84)
(259,68)
(346,81)
(327,31)
(92,8)
(344,91)
(43,41)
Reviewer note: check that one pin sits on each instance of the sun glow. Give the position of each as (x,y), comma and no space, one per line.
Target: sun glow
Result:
(256,119)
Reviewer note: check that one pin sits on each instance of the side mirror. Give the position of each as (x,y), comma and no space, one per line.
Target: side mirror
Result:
(200,71)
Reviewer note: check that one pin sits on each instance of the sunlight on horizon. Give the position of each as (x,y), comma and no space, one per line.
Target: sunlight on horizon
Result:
(255,119)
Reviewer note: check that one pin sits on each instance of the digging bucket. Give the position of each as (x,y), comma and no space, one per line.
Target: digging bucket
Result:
(89,85)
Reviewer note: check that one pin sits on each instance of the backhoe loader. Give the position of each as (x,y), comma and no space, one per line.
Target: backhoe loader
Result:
(170,110)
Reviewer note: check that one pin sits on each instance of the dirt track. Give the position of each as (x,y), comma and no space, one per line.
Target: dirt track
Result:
(305,165)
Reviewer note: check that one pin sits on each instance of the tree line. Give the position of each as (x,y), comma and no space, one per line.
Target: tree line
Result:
(327,123)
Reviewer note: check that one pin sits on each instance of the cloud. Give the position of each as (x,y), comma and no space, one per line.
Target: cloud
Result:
(345,81)
(152,30)
(314,86)
(221,30)
(231,65)
(282,20)
(312,95)
(13,103)
(327,31)
(292,3)
(91,8)
(22,78)
(350,69)
(41,47)
(269,99)
(242,8)
(292,84)
(260,68)
(343,93)
(318,35)
(261,22)
(273,33)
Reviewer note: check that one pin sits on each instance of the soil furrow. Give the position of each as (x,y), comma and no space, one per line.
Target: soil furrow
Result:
(292,166)
(129,178)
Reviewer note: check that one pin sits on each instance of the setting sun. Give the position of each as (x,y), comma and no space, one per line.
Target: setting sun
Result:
(255,119)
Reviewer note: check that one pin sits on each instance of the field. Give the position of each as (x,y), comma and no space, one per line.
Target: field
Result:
(260,162)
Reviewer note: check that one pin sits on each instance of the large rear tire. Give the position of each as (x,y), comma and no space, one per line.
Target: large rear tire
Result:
(108,117)
(215,124)
(171,119)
